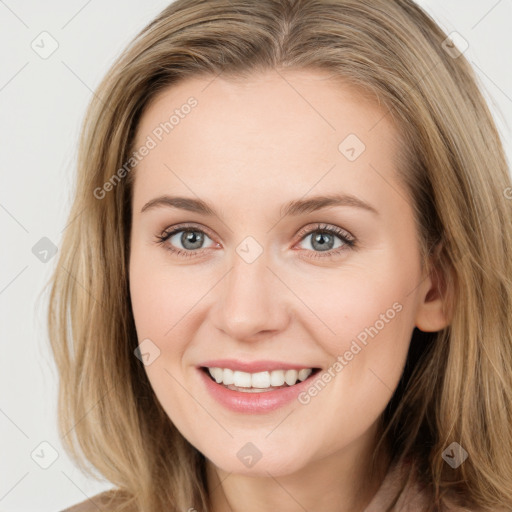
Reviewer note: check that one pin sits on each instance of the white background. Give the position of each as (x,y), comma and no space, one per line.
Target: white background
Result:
(42,104)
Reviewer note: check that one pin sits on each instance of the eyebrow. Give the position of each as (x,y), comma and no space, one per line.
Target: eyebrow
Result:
(292,208)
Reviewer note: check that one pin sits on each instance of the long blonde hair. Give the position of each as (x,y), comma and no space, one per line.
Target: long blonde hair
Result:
(457,383)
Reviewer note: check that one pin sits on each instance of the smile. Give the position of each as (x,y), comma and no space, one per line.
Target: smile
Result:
(247,399)
(260,381)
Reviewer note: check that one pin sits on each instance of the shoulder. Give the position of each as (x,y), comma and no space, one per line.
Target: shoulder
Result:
(416,496)
(402,488)
(102,502)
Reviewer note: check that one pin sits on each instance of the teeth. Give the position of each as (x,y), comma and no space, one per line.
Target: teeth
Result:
(277,378)
(240,379)
(290,377)
(260,380)
(304,374)
(227,376)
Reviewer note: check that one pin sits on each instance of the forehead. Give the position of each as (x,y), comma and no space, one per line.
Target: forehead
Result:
(272,132)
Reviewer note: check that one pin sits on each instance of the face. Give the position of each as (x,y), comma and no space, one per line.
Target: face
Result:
(334,286)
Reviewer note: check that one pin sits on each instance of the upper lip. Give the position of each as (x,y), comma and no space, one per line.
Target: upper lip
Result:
(253,366)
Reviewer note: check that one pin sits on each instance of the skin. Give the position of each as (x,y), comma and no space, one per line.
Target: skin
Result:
(248,147)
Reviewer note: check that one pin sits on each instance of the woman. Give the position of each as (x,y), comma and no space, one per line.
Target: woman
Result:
(338,334)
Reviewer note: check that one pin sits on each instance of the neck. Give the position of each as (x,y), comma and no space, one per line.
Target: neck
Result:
(338,482)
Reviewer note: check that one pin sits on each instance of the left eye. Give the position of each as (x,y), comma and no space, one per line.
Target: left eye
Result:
(324,240)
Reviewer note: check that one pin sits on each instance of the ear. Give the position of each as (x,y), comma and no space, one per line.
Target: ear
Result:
(434,310)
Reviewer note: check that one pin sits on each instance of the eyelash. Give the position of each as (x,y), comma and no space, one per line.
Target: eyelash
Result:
(348,241)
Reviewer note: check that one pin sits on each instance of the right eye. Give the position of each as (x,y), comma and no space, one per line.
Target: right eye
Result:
(190,238)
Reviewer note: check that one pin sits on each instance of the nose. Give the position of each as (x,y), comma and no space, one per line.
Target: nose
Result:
(252,301)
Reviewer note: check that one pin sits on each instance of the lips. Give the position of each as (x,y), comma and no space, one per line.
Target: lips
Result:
(252,401)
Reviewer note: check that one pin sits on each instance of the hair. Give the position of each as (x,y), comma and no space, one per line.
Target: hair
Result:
(457,382)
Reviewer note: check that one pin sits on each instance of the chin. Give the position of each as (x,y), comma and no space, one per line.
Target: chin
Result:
(271,463)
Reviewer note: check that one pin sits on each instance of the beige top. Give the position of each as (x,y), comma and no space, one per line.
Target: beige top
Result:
(413,499)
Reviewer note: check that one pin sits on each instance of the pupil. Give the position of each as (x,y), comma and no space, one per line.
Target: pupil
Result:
(193,237)
(320,239)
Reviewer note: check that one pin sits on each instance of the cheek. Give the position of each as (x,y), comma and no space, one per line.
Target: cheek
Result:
(162,296)
(167,308)
(157,311)
(366,318)
(150,304)
(161,310)
(370,323)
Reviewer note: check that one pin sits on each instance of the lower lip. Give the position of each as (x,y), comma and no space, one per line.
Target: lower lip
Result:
(253,403)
